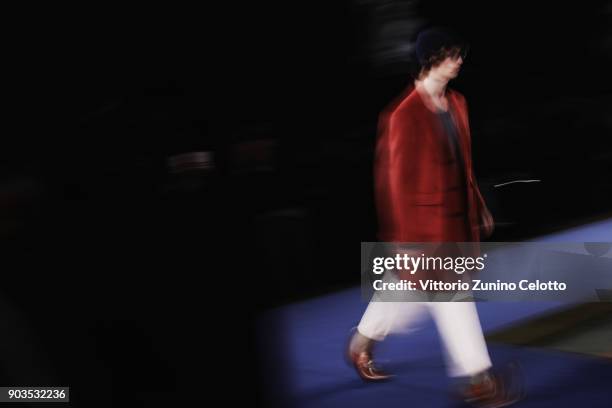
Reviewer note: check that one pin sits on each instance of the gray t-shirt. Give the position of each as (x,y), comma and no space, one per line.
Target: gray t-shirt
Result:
(453,137)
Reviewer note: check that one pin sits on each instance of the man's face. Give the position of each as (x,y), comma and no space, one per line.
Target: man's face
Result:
(449,68)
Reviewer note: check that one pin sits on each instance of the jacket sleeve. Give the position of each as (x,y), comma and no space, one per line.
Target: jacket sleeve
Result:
(395,172)
(480,202)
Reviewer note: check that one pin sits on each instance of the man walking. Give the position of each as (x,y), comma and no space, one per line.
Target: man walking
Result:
(426,192)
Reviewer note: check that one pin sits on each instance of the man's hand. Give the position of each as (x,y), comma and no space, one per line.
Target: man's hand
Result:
(487,224)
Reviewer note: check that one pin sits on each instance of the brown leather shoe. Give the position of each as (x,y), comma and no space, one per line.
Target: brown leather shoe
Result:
(364,365)
(363,362)
(499,389)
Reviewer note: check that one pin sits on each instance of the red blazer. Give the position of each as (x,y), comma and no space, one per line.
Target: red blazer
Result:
(420,198)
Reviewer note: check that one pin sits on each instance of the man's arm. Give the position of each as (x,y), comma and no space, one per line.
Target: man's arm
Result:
(486,221)
(395,174)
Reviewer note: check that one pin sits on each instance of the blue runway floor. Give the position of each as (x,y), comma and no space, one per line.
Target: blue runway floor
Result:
(304,344)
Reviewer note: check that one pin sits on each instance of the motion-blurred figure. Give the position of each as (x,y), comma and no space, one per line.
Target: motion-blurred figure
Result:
(426,192)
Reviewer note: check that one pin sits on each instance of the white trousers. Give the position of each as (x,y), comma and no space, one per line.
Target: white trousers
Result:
(457,323)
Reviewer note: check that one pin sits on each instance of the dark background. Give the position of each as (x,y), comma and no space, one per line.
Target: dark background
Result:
(135,285)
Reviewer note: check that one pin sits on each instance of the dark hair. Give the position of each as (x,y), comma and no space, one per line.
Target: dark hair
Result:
(439,56)
(435,44)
